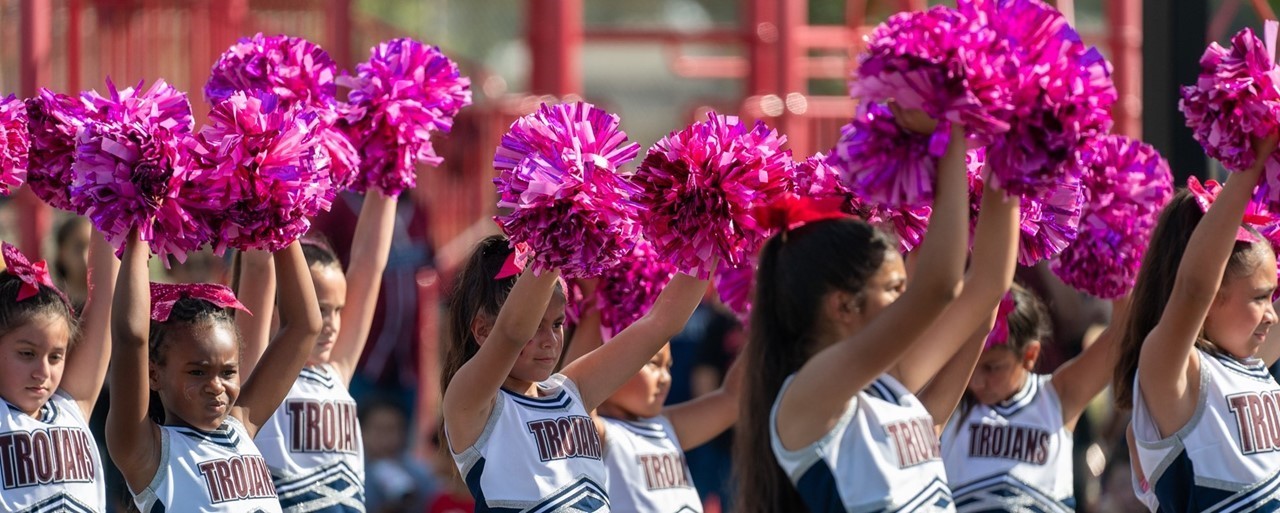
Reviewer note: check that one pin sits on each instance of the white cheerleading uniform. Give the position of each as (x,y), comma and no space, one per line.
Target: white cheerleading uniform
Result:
(1012,456)
(647,470)
(50,462)
(882,455)
(1227,457)
(537,455)
(313,447)
(209,472)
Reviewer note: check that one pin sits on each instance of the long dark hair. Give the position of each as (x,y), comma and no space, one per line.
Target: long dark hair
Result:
(797,269)
(1155,285)
(475,292)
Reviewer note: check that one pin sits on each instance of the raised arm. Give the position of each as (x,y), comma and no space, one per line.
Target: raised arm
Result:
(133,440)
(943,394)
(285,356)
(703,418)
(601,372)
(369,250)
(1086,375)
(995,256)
(1168,372)
(468,400)
(821,389)
(87,364)
(256,290)
(587,336)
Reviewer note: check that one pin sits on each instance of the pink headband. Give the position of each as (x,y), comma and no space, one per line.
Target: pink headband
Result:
(31,275)
(999,335)
(164,295)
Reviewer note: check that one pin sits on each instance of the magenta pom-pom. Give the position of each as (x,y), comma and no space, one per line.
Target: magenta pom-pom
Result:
(1126,185)
(735,285)
(292,68)
(267,163)
(818,177)
(131,163)
(53,120)
(403,93)
(559,173)
(627,291)
(15,144)
(1049,222)
(701,186)
(1236,98)
(884,164)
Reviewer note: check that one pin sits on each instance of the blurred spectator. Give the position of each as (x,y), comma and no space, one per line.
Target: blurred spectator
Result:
(394,481)
(702,354)
(71,259)
(452,496)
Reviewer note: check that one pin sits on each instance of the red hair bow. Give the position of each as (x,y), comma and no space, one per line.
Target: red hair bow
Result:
(164,295)
(1000,332)
(1255,215)
(792,212)
(31,275)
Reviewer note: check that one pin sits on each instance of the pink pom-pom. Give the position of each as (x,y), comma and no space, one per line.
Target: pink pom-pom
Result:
(292,68)
(736,285)
(1236,98)
(1049,222)
(1062,98)
(132,162)
(701,186)
(53,121)
(818,177)
(1126,185)
(267,161)
(627,291)
(916,58)
(15,144)
(559,174)
(884,164)
(405,91)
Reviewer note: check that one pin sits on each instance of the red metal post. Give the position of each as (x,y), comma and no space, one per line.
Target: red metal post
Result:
(792,78)
(35,218)
(555,46)
(339,46)
(74,16)
(1124,31)
(762,46)
(427,410)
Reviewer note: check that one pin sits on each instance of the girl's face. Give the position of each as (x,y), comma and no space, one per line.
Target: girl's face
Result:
(1001,373)
(884,287)
(331,292)
(646,392)
(198,381)
(540,355)
(32,358)
(1241,313)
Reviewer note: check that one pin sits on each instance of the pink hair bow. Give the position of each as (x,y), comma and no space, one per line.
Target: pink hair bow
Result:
(1255,215)
(164,295)
(1000,332)
(515,262)
(31,275)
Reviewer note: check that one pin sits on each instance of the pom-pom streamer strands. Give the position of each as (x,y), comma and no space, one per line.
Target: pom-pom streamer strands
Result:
(559,173)
(15,144)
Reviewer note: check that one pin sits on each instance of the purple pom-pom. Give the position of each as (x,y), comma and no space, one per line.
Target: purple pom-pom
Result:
(405,91)
(1062,97)
(559,173)
(735,285)
(627,291)
(884,164)
(132,161)
(15,144)
(1126,185)
(292,68)
(1049,222)
(916,58)
(1236,98)
(53,121)
(818,177)
(701,185)
(267,161)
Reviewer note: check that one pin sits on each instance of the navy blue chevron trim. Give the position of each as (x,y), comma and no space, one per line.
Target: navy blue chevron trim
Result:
(60,503)
(1003,492)
(318,376)
(1023,398)
(224,436)
(559,401)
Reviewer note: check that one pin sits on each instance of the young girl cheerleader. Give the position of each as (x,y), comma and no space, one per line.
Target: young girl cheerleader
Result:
(831,422)
(180,341)
(1205,409)
(313,444)
(49,460)
(1009,445)
(644,441)
(521,435)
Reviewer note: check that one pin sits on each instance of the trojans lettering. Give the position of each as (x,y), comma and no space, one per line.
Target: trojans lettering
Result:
(1019,443)
(914,440)
(1257,420)
(565,437)
(237,478)
(664,470)
(322,426)
(44,456)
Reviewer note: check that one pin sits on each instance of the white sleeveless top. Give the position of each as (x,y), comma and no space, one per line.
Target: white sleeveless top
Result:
(1227,456)
(647,469)
(537,454)
(50,462)
(1012,456)
(208,472)
(312,445)
(882,455)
